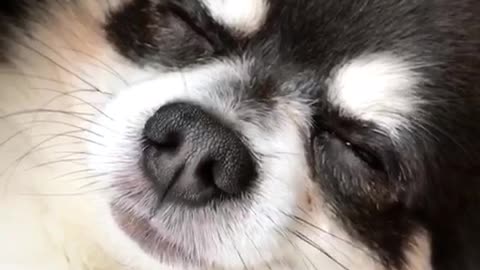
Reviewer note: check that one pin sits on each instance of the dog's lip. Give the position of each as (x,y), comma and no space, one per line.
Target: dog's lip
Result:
(149,239)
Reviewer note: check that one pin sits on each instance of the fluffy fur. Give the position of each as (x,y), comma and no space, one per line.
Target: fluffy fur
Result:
(362,117)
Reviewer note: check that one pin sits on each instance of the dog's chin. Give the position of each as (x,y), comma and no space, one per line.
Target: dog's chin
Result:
(151,240)
(174,234)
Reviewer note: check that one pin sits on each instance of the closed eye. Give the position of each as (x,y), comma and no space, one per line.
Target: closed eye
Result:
(366,155)
(362,151)
(192,23)
(199,21)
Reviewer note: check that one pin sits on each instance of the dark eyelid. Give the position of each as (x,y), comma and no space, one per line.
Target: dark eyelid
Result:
(190,21)
(198,20)
(369,157)
(364,139)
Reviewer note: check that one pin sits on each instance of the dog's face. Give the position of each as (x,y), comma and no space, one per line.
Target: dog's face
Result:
(282,131)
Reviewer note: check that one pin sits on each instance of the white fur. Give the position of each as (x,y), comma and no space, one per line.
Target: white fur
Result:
(378,88)
(245,16)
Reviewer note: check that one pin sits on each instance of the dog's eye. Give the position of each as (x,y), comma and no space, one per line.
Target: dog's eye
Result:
(355,159)
(185,17)
(164,32)
(351,143)
(366,155)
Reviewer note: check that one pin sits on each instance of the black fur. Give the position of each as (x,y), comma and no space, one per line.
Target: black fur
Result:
(181,26)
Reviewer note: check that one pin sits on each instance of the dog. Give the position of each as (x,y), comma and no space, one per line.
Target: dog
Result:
(228,134)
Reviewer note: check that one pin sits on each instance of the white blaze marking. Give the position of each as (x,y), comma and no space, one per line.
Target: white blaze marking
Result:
(378,88)
(245,16)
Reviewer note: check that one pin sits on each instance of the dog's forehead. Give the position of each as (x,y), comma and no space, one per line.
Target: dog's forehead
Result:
(355,68)
(372,84)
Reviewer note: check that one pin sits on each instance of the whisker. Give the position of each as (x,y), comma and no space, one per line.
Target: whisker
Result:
(59,55)
(344,241)
(68,154)
(245,267)
(20,159)
(88,178)
(49,59)
(38,122)
(258,251)
(107,67)
(33,111)
(45,164)
(311,243)
(323,231)
(318,229)
(71,155)
(49,147)
(74,91)
(83,139)
(72,125)
(80,116)
(37,77)
(77,98)
(283,235)
(70,174)
(13,136)
(72,194)
(68,125)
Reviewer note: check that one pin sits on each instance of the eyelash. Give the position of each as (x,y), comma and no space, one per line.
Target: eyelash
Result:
(179,13)
(369,157)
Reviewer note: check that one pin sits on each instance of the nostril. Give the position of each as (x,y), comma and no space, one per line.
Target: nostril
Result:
(205,172)
(235,171)
(169,142)
(194,157)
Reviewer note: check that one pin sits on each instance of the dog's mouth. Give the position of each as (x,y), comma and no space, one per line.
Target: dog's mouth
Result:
(150,240)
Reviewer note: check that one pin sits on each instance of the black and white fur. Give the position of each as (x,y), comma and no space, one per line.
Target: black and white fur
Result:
(363,116)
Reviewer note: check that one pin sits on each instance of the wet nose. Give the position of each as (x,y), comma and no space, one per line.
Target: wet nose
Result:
(193,157)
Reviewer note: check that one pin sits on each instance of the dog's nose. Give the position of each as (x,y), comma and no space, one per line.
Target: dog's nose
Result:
(193,158)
